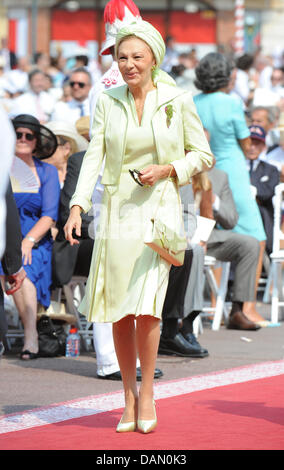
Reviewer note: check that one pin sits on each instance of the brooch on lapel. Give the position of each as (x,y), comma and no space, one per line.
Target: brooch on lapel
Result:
(169,112)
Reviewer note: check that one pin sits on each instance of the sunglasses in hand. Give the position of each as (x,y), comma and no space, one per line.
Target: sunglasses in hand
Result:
(135,175)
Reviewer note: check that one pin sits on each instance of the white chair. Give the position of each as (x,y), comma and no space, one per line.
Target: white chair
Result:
(277,258)
(219,293)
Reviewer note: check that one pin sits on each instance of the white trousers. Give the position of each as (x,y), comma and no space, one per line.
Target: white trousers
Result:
(105,353)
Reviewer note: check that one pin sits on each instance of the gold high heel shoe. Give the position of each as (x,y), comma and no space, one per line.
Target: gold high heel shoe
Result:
(129,425)
(126,427)
(147,425)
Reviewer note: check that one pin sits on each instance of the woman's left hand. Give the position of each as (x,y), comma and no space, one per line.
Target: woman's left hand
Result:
(153,173)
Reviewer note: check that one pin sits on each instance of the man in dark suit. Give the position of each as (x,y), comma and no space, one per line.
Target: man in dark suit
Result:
(226,245)
(70,260)
(264,178)
(11,260)
(176,340)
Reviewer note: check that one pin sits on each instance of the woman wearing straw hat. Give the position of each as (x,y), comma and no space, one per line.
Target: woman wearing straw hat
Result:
(69,142)
(146,125)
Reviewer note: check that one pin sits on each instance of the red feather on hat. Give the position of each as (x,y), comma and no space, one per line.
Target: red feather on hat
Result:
(115,9)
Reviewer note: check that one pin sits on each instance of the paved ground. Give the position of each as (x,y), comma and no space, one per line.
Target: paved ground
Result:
(44,381)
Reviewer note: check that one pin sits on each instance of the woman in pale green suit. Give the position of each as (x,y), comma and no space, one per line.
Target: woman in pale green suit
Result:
(152,126)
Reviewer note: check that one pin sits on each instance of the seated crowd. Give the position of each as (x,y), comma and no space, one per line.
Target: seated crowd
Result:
(49,105)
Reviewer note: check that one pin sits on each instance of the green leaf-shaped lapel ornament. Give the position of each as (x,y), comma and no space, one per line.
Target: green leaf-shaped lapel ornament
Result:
(169,112)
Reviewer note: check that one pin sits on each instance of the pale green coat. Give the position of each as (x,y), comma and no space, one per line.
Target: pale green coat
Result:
(127,277)
(185,133)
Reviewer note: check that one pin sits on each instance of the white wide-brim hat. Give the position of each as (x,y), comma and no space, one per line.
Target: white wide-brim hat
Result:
(68,130)
(117,13)
(108,43)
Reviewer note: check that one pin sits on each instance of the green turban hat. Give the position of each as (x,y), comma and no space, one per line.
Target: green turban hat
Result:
(145,31)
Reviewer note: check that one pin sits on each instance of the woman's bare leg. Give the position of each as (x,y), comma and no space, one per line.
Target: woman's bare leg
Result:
(125,347)
(147,339)
(26,302)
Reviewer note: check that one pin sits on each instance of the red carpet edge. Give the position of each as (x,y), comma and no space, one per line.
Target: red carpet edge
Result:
(95,404)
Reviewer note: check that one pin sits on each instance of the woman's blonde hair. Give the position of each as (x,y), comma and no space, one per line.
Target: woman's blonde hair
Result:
(62,140)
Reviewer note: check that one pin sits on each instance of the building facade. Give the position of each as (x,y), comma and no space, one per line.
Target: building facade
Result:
(49,25)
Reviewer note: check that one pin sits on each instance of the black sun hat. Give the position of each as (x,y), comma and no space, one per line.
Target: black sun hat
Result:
(46,140)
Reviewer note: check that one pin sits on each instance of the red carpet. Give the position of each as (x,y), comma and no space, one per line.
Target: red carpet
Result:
(247,415)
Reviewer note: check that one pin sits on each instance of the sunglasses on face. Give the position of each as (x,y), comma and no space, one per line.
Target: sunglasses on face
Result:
(80,84)
(29,137)
(135,175)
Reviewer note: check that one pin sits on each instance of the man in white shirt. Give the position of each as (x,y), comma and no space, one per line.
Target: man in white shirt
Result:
(80,83)
(263,67)
(107,364)
(19,78)
(242,83)
(36,102)
(277,81)
(273,94)
(10,59)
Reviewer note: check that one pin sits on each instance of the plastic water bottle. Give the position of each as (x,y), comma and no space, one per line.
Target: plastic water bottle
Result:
(73,343)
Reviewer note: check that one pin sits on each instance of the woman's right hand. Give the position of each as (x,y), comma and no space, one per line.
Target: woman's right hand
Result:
(74,222)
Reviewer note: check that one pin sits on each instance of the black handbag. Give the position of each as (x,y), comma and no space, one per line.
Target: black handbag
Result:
(51,337)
